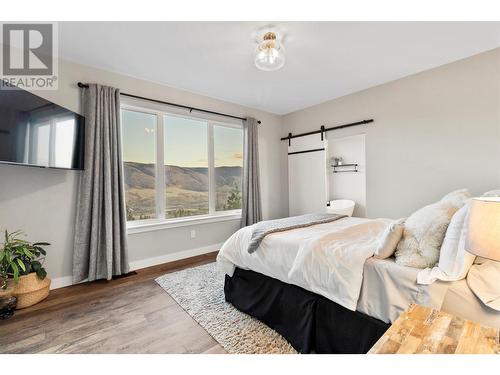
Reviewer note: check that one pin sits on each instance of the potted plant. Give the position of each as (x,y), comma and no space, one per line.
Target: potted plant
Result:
(21,269)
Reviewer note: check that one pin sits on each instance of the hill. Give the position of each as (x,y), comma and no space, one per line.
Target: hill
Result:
(186,188)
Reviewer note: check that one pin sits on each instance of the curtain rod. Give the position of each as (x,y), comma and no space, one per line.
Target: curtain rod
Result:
(324,130)
(83,85)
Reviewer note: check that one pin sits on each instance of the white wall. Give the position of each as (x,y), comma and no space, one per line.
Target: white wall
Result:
(433,132)
(42,202)
(348,185)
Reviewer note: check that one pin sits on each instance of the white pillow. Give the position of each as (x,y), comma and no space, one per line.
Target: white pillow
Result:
(425,230)
(454,260)
(492,193)
(389,239)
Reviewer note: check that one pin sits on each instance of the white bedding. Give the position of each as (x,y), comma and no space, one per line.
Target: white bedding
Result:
(385,290)
(332,264)
(388,289)
(277,251)
(327,259)
(460,300)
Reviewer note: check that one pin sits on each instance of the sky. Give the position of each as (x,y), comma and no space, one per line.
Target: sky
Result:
(139,141)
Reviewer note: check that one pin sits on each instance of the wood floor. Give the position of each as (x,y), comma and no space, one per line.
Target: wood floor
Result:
(128,315)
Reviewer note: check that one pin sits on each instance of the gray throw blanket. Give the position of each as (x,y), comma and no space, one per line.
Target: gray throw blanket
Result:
(263,228)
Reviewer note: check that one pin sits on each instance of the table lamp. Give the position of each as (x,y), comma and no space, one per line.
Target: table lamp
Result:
(483,237)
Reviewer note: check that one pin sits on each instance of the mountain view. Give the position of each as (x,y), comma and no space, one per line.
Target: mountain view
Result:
(186,190)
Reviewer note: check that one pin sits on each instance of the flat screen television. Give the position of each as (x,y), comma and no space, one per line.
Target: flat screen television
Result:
(39,133)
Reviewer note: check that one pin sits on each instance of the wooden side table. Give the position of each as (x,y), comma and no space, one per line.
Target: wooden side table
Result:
(421,330)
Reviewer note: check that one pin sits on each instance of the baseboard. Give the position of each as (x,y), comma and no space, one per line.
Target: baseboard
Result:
(148,262)
(61,282)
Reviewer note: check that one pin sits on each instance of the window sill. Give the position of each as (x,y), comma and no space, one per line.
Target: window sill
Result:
(152,225)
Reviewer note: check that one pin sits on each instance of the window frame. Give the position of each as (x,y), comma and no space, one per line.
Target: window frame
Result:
(161,222)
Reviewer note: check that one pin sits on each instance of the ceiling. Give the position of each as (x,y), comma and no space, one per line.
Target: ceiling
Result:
(325,60)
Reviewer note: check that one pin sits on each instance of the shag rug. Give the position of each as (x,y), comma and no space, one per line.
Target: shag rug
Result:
(200,291)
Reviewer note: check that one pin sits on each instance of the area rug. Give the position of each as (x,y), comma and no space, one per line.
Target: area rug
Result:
(200,291)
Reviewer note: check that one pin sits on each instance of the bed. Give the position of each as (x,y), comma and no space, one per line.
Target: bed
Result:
(324,303)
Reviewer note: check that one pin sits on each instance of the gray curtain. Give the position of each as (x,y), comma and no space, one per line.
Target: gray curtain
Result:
(100,247)
(251,210)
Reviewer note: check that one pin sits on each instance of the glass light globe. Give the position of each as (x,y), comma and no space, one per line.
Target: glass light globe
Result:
(269,54)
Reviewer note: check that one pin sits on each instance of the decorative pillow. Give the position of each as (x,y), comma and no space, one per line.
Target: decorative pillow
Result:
(425,230)
(454,260)
(389,240)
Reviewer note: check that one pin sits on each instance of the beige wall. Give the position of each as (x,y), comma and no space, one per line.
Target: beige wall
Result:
(433,132)
(42,202)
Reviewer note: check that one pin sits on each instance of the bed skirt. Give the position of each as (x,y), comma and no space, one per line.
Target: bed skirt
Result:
(311,323)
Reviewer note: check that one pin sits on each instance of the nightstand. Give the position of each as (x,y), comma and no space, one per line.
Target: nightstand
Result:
(421,330)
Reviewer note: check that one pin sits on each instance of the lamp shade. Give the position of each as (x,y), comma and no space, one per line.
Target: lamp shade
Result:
(483,237)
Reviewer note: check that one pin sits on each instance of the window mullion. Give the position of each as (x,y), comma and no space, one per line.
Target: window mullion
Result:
(160,167)
(211,170)
(52,141)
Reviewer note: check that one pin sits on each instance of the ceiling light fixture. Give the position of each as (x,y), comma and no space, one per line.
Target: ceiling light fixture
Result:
(269,54)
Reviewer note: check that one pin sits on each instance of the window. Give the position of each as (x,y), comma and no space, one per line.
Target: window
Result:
(228,160)
(139,160)
(186,167)
(178,167)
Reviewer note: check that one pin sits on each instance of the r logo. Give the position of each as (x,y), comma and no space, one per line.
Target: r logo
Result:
(27,49)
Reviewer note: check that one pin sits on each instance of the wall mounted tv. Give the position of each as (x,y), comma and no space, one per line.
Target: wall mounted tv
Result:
(39,133)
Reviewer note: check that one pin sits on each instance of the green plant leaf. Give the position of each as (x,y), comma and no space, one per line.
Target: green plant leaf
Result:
(21,264)
(39,249)
(15,272)
(20,257)
(41,273)
(28,253)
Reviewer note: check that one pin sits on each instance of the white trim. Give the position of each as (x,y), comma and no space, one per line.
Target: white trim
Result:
(211,169)
(160,167)
(141,226)
(61,282)
(172,257)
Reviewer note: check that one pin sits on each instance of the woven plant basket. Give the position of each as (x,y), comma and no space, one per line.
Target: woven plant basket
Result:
(31,290)
(4,293)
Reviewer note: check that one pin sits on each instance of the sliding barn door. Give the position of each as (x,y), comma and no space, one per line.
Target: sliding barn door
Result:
(307,175)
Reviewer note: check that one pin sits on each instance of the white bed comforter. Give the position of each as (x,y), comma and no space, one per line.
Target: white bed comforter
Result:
(327,259)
